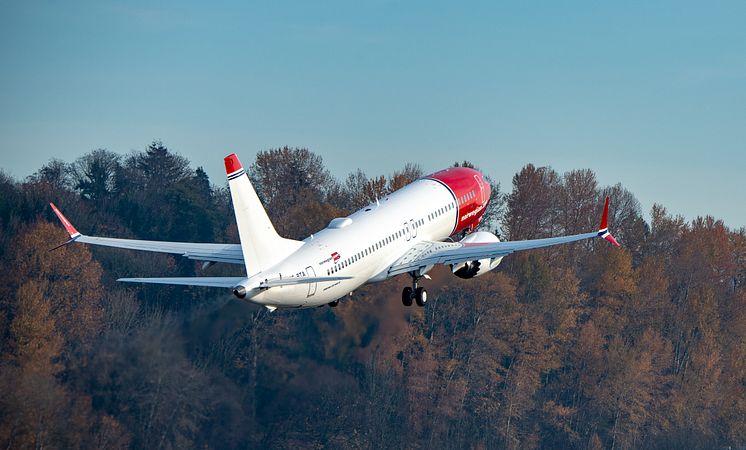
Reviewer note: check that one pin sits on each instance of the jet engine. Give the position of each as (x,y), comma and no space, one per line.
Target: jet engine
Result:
(471,269)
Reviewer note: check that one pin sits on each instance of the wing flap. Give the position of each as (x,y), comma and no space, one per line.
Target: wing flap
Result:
(228,253)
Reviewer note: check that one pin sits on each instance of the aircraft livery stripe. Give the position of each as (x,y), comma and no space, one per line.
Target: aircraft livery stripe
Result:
(233,176)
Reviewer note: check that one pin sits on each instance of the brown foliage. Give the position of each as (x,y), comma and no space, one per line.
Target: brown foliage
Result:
(582,346)
(69,280)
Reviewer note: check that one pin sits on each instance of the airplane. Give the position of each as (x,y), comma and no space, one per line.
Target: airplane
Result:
(430,221)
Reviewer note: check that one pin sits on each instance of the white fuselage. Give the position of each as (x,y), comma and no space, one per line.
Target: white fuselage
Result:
(362,246)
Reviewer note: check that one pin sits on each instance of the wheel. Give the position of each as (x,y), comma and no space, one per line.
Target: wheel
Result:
(420,296)
(334,303)
(406,296)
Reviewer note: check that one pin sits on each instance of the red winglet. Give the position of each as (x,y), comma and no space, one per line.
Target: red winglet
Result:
(68,226)
(232,164)
(605,216)
(603,229)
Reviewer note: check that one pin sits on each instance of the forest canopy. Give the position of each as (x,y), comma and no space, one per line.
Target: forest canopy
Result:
(581,346)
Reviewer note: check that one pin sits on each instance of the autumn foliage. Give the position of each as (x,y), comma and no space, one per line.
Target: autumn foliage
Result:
(583,346)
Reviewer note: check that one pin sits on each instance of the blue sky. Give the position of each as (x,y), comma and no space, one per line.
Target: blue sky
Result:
(648,94)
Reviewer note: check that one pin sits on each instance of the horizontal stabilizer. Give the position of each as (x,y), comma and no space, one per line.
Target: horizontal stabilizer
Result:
(230,282)
(223,282)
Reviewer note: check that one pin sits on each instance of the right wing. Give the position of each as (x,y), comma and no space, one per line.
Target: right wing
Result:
(427,254)
(225,253)
(430,253)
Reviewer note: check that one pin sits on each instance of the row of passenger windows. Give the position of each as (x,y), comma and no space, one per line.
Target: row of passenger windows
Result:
(384,242)
(375,247)
(440,211)
(465,198)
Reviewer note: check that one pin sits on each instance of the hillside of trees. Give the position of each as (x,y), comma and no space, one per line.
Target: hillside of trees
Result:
(584,346)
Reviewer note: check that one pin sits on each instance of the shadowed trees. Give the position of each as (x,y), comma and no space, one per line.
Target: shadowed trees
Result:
(294,186)
(95,175)
(55,316)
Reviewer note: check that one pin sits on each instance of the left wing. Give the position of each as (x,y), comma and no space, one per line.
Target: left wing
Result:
(225,253)
(427,254)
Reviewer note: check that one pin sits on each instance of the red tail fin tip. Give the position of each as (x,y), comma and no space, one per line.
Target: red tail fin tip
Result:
(232,164)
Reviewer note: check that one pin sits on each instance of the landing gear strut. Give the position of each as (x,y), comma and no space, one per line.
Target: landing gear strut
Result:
(414,293)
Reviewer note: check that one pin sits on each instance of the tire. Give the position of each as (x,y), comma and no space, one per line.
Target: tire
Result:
(334,303)
(406,296)
(421,296)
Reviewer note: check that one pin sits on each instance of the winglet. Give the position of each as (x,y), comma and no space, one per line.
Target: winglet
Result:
(68,226)
(603,229)
(232,164)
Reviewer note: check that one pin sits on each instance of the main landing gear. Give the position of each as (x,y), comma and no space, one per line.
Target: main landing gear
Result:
(414,293)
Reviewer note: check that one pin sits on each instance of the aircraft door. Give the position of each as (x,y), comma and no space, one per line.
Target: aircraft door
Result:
(311,286)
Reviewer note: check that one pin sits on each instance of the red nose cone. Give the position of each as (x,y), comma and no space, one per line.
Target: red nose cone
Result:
(232,164)
(470,191)
(462,181)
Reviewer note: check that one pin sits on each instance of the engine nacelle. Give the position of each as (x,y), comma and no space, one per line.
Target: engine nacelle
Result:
(479,267)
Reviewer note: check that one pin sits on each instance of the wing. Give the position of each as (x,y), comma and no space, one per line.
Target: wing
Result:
(427,254)
(225,253)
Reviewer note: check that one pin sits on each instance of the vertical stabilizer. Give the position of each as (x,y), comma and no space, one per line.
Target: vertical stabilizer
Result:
(262,246)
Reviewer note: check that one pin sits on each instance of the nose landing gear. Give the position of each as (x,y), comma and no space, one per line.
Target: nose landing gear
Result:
(418,294)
